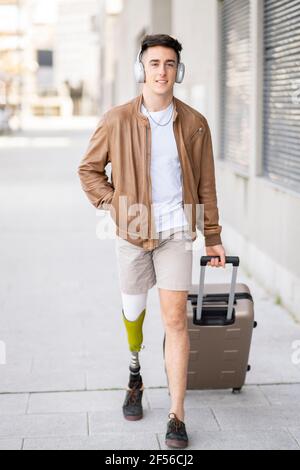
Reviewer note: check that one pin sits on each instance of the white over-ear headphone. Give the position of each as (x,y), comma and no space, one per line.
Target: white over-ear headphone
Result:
(140,76)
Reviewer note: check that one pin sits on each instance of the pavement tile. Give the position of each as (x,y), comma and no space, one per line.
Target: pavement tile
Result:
(104,441)
(11,404)
(76,402)
(11,444)
(257,417)
(154,421)
(245,440)
(45,425)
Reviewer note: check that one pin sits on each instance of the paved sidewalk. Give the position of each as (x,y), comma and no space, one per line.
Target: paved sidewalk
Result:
(60,318)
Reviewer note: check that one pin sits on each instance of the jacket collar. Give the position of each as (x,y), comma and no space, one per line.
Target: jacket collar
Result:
(137,103)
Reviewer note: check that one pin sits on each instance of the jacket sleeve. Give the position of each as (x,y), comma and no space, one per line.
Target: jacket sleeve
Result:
(207,191)
(91,171)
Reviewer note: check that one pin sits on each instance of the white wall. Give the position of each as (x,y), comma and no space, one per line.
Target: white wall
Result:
(78,48)
(127,30)
(194,25)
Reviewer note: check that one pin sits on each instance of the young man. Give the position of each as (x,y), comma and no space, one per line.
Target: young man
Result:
(162,162)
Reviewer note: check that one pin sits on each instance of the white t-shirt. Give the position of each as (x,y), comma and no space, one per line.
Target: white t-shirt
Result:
(166,173)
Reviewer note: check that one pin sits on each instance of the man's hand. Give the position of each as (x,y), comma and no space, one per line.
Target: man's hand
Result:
(216,250)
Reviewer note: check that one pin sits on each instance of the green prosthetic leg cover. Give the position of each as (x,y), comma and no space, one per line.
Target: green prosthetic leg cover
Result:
(135,331)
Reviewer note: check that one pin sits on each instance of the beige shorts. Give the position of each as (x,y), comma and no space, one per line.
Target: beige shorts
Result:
(169,265)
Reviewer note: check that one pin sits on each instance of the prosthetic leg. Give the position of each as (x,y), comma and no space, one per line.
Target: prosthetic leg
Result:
(134,311)
(135,339)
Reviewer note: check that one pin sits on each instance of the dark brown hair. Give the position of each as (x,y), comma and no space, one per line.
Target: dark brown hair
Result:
(165,40)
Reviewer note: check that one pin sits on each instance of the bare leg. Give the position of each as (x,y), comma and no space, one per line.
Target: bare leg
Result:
(177,348)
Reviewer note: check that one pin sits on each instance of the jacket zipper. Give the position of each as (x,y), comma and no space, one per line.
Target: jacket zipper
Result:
(181,163)
(182,172)
(196,132)
(150,186)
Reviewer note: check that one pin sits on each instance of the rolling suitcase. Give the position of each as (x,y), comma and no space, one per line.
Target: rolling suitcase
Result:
(220,324)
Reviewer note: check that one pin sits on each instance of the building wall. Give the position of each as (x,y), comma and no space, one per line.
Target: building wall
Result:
(261,220)
(194,25)
(77,52)
(124,33)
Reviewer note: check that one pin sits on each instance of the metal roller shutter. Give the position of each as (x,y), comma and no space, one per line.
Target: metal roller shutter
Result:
(235,80)
(282,92)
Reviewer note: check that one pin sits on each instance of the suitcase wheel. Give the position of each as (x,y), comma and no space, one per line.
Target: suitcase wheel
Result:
(236,390)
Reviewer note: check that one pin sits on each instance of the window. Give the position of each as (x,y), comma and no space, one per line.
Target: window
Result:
(235,81)
(282,92)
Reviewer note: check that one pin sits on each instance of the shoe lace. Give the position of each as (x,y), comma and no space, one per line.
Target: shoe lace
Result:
(175,423)
(133,395)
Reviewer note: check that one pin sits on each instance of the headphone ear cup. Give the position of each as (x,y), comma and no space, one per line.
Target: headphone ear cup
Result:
(180,73)
(139,72)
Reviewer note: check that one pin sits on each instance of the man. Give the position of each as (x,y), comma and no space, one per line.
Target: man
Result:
(162,162)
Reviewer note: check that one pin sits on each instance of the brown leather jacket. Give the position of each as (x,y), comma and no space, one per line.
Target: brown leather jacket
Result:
(123,137)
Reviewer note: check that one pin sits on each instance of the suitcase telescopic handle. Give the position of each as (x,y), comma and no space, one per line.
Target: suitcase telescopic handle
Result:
(235,261)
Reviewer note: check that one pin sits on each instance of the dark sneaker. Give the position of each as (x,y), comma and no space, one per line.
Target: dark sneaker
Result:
(132,408)
(176,436)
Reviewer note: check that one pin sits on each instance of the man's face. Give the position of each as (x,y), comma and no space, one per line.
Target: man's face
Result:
(160,65)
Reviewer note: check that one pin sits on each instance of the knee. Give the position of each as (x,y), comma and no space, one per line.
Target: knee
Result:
(176,321)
